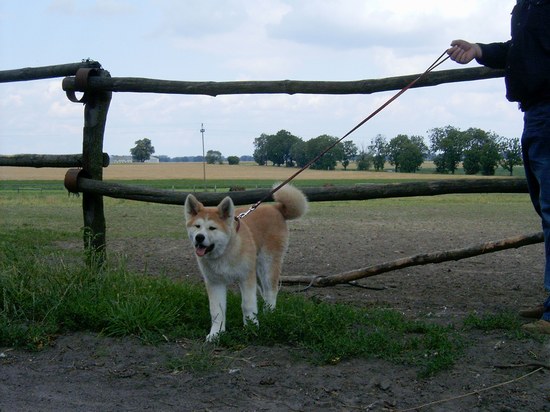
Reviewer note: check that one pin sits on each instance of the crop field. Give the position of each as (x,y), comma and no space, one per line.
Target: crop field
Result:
(194,171)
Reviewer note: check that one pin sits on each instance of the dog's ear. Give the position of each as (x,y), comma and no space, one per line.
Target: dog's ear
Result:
(226,209)
(192,206)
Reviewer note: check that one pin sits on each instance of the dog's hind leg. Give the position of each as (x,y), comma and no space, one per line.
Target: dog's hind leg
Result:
(217,300)
(269,271)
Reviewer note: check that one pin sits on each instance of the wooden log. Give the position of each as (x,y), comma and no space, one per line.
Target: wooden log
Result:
(95,118)
(45,72)
(314,194)
(420,259)
(40,160)
(144,85)
(421,188)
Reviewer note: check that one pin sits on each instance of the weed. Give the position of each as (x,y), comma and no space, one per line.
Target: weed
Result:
(201,358)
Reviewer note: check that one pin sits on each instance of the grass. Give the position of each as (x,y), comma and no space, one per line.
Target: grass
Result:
(45,293)
(506,321)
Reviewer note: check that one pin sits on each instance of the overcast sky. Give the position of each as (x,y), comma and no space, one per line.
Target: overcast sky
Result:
(202,40)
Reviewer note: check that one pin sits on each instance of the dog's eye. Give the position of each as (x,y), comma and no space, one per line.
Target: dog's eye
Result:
(198,226)
(212,228)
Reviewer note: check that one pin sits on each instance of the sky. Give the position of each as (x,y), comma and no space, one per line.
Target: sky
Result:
(231,40)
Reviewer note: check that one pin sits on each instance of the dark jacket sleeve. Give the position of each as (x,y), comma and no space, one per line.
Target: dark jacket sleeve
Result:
(494,55)
(526,57)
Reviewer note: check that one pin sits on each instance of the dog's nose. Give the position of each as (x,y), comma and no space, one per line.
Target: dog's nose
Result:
(199,238)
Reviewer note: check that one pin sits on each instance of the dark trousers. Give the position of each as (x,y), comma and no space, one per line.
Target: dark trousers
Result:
(535,143)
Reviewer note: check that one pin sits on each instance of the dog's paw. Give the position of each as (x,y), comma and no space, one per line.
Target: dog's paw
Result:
(253,320)
(212,337)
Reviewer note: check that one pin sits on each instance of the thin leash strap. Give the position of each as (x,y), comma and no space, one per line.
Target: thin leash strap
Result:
(440,60)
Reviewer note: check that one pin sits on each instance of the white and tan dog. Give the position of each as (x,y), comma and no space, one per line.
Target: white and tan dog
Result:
(249,252)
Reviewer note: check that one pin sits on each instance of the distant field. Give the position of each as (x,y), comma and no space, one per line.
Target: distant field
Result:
(194,171)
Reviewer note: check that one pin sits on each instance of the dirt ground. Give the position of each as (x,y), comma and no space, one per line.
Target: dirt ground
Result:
(85,372)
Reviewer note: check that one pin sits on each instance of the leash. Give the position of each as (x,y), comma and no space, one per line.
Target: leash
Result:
(440,60)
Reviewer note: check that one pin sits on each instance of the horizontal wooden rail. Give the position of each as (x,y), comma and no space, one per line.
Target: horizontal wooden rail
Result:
(144,85)
(46,72)
(40,160)
(314,194)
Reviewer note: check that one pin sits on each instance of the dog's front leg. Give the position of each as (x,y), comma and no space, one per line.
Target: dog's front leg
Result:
(217,300)
(249,298)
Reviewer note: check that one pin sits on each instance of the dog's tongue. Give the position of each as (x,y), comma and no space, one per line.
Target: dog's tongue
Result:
(200,250)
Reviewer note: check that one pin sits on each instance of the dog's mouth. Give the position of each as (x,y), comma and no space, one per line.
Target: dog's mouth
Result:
(202,250)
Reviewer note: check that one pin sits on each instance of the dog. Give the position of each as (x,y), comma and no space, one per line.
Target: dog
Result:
(248,251)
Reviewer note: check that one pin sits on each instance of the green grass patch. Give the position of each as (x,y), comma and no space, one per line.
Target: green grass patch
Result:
(504,321)
(44,294)
(331,333)
(496,321)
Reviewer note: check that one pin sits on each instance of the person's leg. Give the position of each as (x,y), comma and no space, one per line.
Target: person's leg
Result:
(536,154)
(546,314)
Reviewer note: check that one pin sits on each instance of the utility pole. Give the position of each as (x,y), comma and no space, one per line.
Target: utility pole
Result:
(203,157)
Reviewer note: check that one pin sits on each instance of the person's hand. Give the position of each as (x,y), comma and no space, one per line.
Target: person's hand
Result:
(464,52)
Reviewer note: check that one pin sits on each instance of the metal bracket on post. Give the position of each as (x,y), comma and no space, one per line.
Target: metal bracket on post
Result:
(71,179)
(96,106)
(81,84)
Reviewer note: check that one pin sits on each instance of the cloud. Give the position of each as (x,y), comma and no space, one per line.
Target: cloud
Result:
(105,8)
(68,7)
(396,24)
(199,18)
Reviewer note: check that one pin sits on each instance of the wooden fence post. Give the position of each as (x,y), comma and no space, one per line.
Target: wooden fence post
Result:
(95,117)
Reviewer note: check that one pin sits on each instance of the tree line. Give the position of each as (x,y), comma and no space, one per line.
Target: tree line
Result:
(143,150)
(211,157)
(477,150)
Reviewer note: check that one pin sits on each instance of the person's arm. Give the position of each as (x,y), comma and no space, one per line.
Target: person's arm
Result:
(494,55)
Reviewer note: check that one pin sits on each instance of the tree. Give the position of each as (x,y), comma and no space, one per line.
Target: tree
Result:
(298,152)
(490,157)
(142,151)
(378,152)
(510,154)
(233,160)
(419,141)
(329,160)
(482,152)
(349,152)
(214,156)
(363,160)
(448,144)
(279,147)
(260,149)
(471,163)
(406,154)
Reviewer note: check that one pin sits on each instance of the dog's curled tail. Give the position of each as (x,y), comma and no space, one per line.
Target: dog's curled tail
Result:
(292,203)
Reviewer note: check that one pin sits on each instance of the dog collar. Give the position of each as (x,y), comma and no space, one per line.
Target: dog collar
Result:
(238,224)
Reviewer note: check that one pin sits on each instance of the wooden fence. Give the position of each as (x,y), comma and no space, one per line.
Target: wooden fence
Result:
(97,86)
